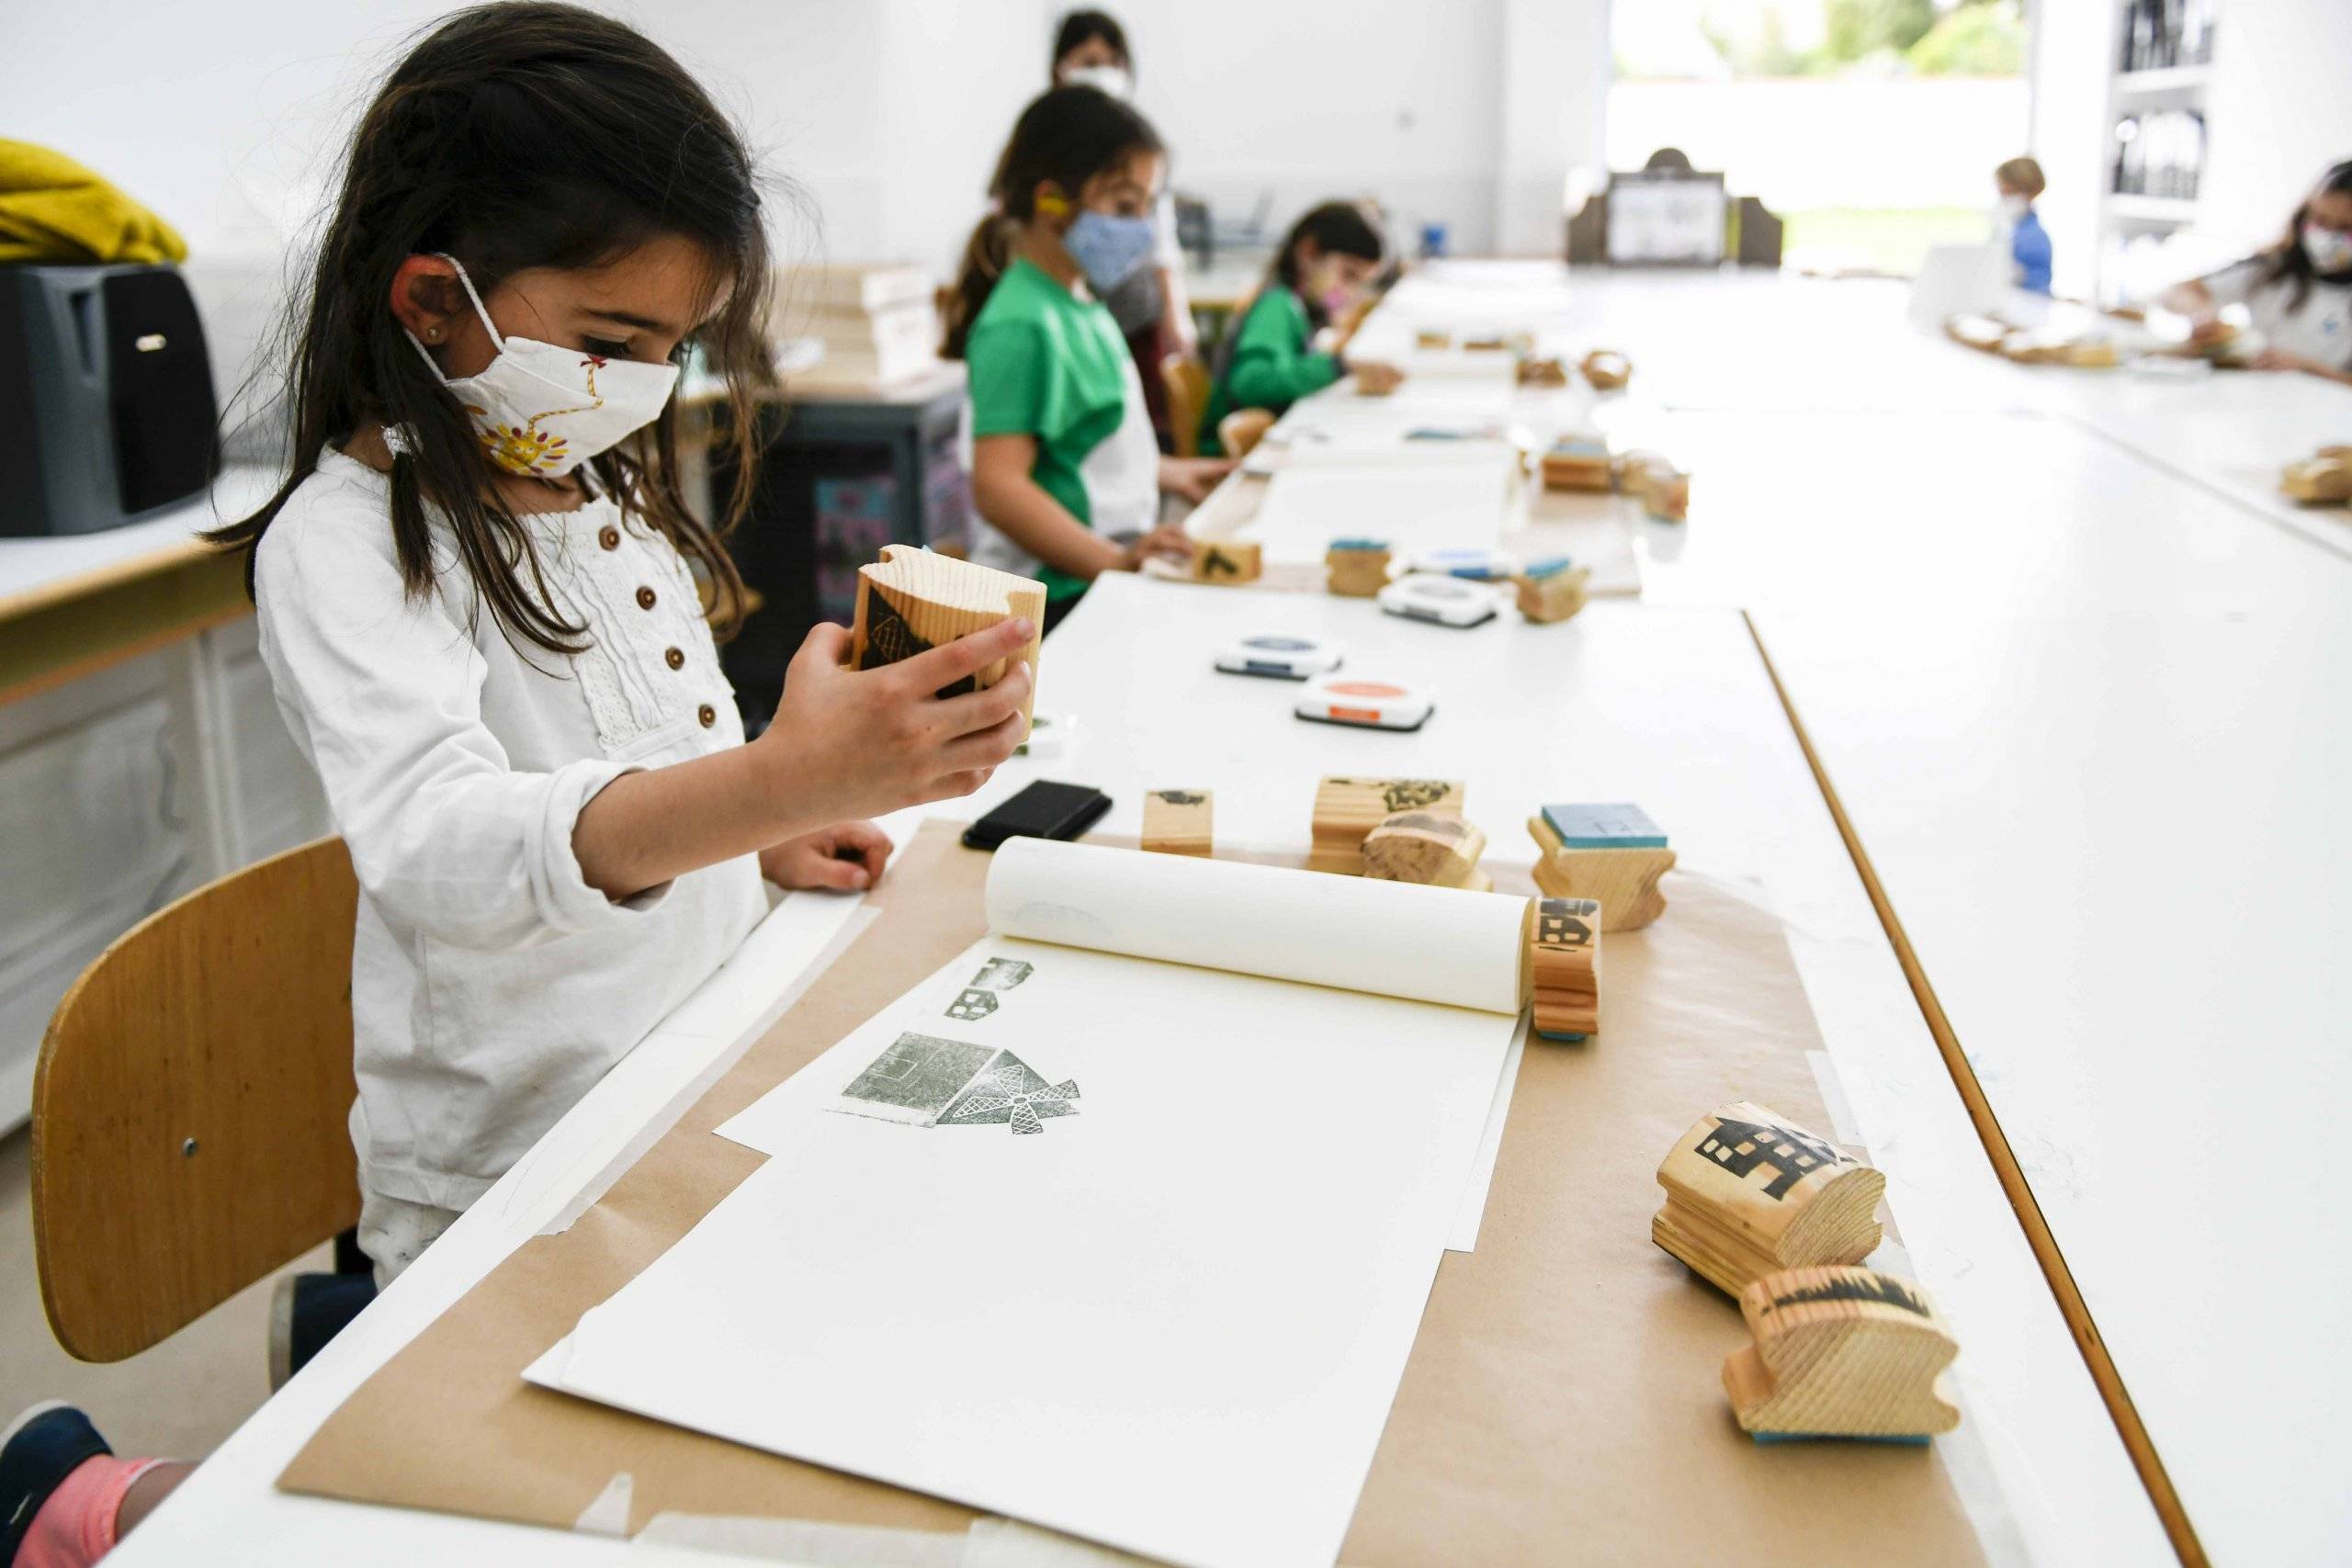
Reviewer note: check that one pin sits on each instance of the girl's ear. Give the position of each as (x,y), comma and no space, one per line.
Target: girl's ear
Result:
(427,298)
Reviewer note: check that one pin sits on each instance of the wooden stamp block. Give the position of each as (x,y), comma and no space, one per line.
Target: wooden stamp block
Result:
(1541,372)
(1607,369)
(912,601)
(1346,810)
(1565,959)
(2320,480)
(1177,821)
(1612,854)
(1665,494)
(1428,339)
(1578,463)
(1842,1352)
(1226,560)
(1358,569)
(1749,1193)
(1436,849)
(1553,590)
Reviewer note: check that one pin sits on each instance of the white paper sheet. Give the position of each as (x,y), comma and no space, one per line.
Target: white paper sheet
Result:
(1471,1212)
(1415,507)
(1172,1320)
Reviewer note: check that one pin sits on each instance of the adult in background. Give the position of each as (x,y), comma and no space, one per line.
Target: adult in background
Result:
(1150,305)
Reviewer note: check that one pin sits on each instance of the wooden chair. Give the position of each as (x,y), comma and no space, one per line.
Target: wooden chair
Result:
(189,1111)
(1187,381)
(1242,429)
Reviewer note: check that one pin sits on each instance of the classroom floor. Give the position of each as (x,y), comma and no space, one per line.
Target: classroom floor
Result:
(178,1400)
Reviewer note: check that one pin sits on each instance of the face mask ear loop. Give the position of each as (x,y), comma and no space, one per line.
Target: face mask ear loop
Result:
(479,310)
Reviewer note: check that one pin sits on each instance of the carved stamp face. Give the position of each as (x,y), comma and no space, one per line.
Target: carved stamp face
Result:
(1740,1147)
(1181,796)
(1567,922)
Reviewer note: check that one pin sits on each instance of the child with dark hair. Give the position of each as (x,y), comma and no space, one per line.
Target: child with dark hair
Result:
(1066,474)
(1324,267)
(2296,294)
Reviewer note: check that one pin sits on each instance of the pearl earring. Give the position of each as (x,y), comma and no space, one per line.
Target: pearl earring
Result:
(432,334)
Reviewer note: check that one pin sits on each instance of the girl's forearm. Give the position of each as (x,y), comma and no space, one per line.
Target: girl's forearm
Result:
(1021,509)
(644,829)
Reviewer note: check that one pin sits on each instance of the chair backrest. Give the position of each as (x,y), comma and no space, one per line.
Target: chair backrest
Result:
(190,1110)
(1242,429)
(1187,381)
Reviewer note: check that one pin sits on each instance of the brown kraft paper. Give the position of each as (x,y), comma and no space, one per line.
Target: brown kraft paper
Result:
(1562,1403)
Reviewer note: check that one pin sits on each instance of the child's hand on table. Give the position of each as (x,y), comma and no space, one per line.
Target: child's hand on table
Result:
(1192,478)
(847,856)
(849,743)
(1168,541)
(1375,377)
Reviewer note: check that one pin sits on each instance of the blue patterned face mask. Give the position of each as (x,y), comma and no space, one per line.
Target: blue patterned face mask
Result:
(1108,248)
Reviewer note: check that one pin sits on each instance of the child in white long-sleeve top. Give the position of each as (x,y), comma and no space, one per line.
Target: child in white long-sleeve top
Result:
(480,610)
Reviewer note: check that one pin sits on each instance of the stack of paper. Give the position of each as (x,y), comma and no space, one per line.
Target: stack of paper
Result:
(1133,1247)
(874,323)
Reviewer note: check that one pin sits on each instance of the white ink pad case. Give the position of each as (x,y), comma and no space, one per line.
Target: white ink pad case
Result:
(1360,700)
(1443,601)
(1279,655)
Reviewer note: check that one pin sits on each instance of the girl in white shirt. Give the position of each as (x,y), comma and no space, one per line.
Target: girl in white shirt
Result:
(480,609)
(2296,294)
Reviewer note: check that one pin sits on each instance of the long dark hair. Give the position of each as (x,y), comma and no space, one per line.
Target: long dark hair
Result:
(520,135)
(2287,262)
(1344,227)
(1084,27)
(1066,137)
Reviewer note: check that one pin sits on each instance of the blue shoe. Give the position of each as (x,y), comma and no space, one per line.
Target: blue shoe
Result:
(308,1310)
(40,1448)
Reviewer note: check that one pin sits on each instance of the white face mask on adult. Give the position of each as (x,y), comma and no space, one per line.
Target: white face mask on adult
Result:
(541,410)
(1112,79)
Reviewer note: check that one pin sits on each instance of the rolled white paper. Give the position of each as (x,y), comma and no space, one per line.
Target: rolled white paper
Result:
(1392,939)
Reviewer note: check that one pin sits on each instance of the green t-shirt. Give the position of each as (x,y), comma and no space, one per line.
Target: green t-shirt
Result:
(1270,367)
(1045,363)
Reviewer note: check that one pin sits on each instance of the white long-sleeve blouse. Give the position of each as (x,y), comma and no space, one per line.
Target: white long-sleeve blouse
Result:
(491,985)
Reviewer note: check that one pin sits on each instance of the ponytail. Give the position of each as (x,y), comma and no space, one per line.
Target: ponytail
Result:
(1065,137)
(986,255)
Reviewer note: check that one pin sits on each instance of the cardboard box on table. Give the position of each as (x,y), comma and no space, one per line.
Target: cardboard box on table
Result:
(1562,1402)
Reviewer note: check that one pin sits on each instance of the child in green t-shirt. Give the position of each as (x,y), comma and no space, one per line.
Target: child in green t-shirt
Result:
(1324,267)
(1066,473)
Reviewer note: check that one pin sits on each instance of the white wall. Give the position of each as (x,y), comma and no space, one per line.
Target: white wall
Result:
(889,113)
(886,114)
(2279,111)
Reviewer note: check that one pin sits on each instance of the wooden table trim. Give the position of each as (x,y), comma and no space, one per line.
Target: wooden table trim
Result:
(2137,1442)
(81,624)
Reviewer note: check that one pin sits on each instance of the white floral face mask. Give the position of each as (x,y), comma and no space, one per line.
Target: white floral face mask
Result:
(542,410)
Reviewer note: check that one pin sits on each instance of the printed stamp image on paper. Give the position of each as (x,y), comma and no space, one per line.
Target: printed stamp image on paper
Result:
(976,1000)
(924,1081)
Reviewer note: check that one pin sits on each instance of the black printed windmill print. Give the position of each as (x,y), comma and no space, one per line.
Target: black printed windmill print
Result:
(1010,1090)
